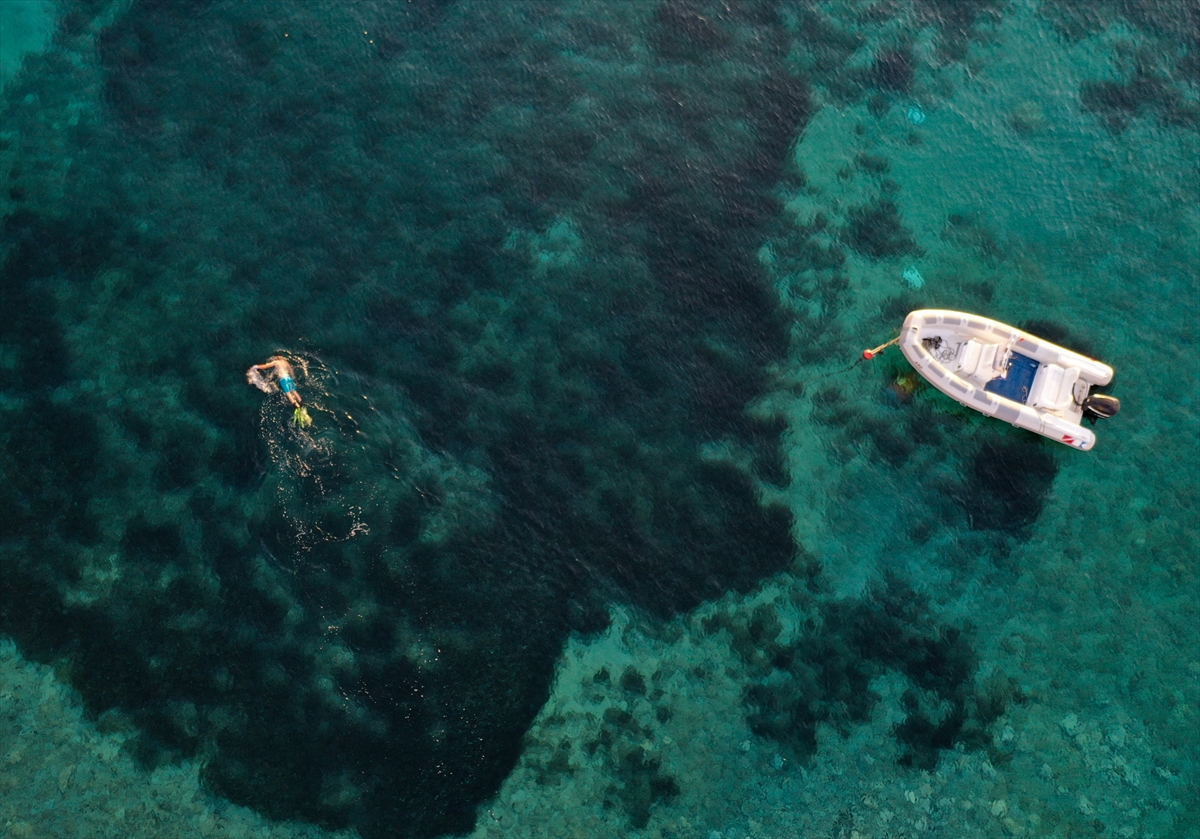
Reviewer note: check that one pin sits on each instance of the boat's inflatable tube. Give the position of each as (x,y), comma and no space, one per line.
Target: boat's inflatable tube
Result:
(970,359)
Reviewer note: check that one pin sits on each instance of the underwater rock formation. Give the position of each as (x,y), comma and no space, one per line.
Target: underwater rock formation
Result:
(823,674)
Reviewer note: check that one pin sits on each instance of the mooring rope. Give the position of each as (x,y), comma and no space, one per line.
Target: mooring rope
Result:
(866,356)
(869,354)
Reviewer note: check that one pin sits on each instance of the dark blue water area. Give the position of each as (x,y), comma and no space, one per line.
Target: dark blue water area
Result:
(514,255)
(518,286)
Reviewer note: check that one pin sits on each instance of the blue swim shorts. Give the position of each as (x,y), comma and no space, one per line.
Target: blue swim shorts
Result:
(286,384)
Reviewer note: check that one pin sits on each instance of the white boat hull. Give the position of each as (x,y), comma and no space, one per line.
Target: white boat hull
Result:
(1003,372)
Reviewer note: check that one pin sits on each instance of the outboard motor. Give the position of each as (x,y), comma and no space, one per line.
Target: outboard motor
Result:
(1101,406)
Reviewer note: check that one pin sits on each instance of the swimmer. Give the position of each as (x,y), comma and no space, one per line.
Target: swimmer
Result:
(279,366)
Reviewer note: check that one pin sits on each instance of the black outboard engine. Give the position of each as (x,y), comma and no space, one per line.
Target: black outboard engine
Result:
(1101,406)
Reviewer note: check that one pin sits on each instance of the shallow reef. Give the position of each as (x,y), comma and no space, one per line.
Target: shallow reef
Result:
(822,674)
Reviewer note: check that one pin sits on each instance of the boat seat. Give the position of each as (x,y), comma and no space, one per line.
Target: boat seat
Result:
(976,359)
(968,357)
(987,361)
(1053,387)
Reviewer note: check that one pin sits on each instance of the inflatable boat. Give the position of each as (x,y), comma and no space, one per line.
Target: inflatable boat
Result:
(1006,373)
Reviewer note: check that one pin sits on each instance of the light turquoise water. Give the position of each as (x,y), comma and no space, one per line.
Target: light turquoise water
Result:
(27,26)
(594,533)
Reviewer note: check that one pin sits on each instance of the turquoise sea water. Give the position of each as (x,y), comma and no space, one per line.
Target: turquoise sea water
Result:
(599,530)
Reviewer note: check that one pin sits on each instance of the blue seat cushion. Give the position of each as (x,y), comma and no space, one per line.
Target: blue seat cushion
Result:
(1015,386)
